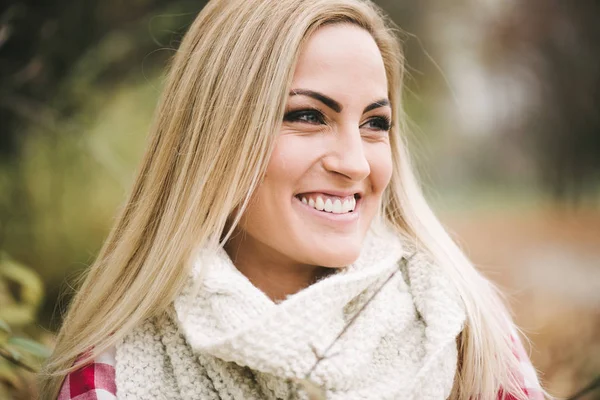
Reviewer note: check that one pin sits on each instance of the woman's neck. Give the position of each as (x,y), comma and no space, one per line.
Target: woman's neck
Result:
(272,273)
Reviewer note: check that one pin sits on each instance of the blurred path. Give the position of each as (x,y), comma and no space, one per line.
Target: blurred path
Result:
(548,263)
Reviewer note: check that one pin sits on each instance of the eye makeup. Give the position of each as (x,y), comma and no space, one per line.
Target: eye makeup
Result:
(309,115)
(314,116)
(381,123)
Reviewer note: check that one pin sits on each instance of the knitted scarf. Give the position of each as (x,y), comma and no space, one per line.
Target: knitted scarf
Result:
(225,339)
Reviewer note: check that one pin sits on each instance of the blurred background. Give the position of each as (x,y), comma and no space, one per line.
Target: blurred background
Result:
(503,98)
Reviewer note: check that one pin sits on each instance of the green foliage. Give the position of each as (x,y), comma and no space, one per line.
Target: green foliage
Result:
(21,293)
(19,309)
(58,202)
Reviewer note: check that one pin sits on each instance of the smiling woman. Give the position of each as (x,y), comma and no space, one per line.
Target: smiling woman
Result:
(328,170)
(276,240)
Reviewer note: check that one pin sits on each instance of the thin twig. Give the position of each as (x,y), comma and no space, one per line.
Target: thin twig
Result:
(592,386)
(595,384)
(404,260)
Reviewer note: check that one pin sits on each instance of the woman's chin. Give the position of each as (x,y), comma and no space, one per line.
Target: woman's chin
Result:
(339,258)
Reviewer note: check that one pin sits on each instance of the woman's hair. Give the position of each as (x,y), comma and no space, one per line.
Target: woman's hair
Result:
(211,141)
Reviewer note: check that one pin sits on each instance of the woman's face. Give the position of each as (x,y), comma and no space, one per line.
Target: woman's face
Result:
(332,158)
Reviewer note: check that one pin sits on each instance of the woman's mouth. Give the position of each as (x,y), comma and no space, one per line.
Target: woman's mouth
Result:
(329,203)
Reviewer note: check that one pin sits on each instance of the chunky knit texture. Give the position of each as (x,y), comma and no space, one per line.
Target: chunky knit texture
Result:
(225,339)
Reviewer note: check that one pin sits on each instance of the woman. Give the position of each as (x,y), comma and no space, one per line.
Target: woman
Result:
(276,241)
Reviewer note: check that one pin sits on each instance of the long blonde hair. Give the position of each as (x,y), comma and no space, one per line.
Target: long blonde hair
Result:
(210,143)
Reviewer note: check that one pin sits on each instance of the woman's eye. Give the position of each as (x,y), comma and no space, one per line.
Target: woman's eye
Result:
(307,116)
(378,124)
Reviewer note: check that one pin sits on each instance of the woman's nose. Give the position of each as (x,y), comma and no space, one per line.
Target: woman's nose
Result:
(347,155)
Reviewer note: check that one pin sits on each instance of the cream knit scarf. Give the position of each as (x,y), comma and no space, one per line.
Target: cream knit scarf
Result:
(225,339)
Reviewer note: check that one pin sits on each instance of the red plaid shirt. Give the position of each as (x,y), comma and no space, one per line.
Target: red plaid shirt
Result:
(96,381)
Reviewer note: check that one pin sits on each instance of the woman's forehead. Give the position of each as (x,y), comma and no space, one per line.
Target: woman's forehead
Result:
(339,59)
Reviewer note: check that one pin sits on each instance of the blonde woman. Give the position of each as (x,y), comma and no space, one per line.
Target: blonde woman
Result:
(276,242)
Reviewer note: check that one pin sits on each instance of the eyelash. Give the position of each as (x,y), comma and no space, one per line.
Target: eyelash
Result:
(297,115)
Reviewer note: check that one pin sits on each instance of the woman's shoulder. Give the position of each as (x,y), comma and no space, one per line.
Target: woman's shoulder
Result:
(94,381)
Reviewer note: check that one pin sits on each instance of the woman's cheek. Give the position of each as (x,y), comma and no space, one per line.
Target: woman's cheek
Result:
(293,155)
(381,164)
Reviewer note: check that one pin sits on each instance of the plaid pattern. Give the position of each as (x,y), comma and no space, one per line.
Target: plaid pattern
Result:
(96,381)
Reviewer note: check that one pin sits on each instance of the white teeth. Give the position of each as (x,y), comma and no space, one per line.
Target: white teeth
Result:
(347,206)
(337,206)
(331,205)
(319,205)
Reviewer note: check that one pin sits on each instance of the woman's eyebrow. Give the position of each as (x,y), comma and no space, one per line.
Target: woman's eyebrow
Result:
(334,105)
(377,104)
(328,101)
